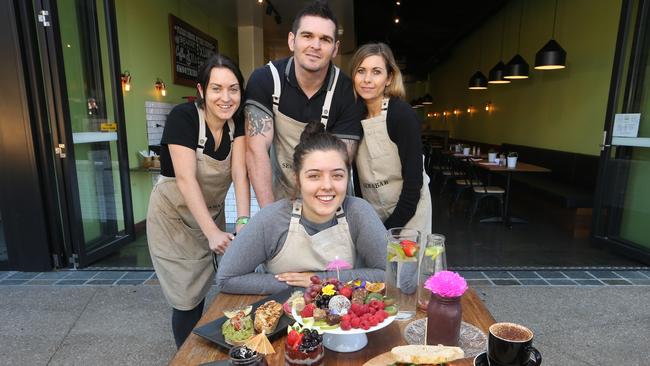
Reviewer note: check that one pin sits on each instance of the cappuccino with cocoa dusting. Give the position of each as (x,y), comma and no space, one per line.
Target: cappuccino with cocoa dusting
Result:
(511,332)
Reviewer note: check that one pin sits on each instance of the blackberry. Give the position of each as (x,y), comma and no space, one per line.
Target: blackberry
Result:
(322,301)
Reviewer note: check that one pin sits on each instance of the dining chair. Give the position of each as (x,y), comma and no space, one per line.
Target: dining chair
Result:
(483,191)
(451,172)
(467,182)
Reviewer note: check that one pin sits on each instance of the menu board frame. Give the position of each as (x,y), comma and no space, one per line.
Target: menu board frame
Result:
(181,35)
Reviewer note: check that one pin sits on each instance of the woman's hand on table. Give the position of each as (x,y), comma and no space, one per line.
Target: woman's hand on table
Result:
(301,279)
(219,241)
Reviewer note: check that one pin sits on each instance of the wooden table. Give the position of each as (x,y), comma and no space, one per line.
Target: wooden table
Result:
(519,168)
(196,350)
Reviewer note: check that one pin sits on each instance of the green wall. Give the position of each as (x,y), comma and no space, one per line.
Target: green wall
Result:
(560,109)
(143,32)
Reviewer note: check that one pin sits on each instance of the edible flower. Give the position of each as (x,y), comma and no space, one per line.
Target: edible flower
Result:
(329,290)
(446,284)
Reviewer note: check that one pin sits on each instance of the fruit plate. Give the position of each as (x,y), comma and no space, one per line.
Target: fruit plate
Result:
(212,330)
(340,331)
(340,340)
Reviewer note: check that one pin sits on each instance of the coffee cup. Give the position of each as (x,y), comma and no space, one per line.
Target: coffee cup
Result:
(510,344)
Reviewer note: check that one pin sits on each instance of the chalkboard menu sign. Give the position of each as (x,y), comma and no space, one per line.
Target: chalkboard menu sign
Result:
(190,47)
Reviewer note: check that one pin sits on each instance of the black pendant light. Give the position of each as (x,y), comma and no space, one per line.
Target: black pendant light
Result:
(478,81)
(552,56)
(496,73)
(427,99)
(517,67)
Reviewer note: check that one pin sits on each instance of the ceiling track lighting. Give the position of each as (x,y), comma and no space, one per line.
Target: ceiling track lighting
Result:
(517,67)
(495,76)
(552,56)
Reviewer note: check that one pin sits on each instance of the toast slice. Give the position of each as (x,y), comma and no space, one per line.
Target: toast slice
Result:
(267,317)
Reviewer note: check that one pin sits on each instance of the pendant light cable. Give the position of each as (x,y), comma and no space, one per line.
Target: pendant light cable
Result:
(521,20)
(554,19)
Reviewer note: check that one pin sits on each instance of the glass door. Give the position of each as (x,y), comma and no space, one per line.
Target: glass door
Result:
(81,43)
(622,209)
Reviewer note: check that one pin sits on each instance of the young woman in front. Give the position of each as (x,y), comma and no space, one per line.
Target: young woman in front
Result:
(296,238)
(389,160)
(202,152)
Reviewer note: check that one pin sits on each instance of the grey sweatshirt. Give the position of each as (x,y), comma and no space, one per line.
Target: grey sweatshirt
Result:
(263,237)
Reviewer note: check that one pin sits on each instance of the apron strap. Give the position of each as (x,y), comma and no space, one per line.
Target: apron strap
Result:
(231,131)
(384,107)
(296,212)
(202,137)
(334,78)
(277,87)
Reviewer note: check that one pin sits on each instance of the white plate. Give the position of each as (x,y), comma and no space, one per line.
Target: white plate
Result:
(338,330)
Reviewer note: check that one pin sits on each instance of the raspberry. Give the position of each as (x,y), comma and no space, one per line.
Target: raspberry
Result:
(373,321)
(346,325)
(365,325)
(345,318)
(355,323)
(372,311)
(308,311)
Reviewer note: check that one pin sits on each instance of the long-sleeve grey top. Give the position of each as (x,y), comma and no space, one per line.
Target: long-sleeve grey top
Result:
(263,237)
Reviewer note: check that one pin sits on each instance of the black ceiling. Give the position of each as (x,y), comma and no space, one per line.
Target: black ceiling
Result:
(427,30)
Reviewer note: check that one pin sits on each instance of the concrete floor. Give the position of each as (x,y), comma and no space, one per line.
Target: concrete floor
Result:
(129,325)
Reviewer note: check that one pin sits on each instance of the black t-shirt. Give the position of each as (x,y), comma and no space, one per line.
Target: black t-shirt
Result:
(403,128)
(345,111)
(182,128)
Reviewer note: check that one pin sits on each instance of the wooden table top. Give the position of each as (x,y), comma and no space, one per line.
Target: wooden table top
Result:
(196,350)
(520,168)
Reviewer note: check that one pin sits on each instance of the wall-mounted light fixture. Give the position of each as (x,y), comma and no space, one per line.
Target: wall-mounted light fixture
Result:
(430,114)
(457,112)
(436,114)
(471,109)
(161,87)
(489,107)
(126,80)
(445,113)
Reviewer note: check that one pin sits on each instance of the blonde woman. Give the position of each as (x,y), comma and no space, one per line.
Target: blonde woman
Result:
(389,160)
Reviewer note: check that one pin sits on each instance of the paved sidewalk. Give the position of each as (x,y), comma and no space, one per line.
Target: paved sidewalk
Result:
(129,325)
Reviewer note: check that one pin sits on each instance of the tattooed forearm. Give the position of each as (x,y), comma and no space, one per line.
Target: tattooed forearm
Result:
(258,121)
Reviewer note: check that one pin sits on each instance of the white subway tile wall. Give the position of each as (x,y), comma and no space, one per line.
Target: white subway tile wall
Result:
(231,205)
(156,115)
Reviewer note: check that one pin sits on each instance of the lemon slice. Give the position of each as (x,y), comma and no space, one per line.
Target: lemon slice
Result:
(434,251)
(231,313)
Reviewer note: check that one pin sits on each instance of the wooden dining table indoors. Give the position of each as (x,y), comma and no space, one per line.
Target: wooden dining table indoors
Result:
(521,167)
(197,351)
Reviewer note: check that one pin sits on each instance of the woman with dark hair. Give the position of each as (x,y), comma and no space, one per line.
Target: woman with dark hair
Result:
(389,160)
(202,153)
(296,238)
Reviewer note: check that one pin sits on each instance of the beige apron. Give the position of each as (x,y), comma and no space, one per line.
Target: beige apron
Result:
(287,134)
(179,249)
(302,252)
(380,173)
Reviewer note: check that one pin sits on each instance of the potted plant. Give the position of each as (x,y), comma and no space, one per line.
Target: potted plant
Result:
(492,155)
(512,160)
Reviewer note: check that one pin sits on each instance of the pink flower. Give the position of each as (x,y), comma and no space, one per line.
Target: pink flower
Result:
(446,284)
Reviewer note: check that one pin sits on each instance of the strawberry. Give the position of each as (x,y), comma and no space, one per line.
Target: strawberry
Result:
(294,338)
(410,248)
(308,311)
(346,291)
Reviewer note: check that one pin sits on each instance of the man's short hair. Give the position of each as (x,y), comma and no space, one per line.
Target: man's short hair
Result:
(318,8)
